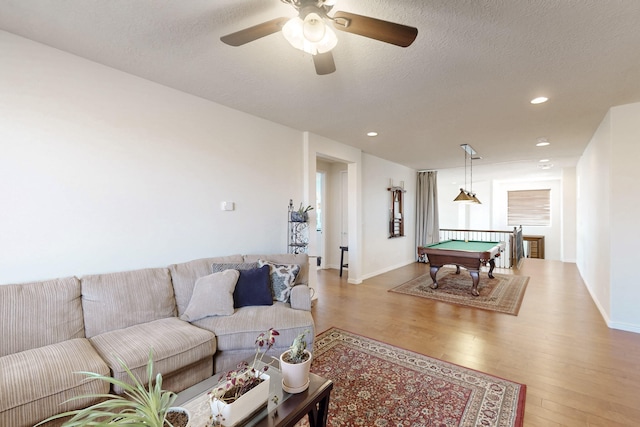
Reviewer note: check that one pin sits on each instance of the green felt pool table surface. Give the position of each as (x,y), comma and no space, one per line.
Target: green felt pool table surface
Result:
(461,245)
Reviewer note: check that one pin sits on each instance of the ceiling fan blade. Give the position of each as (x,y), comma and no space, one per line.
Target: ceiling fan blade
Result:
(385,31)
(253,33)
(324,63)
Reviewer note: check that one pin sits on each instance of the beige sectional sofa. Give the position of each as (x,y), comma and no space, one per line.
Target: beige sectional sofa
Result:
(51,330)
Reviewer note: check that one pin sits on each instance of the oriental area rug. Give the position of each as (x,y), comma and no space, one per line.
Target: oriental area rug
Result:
(503,294)
(376,384)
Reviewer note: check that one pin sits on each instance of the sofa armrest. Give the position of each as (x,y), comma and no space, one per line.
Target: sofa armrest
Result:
(301,297)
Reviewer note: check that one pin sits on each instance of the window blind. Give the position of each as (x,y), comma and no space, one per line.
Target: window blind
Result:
(529,207)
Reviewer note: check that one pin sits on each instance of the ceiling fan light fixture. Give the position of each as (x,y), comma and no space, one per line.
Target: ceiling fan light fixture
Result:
(312,35)
(313,29)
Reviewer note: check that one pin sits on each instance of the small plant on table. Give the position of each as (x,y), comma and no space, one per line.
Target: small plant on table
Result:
(235,384)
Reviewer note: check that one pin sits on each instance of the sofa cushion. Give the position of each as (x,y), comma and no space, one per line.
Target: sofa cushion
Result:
(176,344)
(239,331)
(35,383)
(216,266)
(212,296)
(184,276)
(119,300)
(301,296)
(37,314)
(282,278)
(300,259)
(253,288)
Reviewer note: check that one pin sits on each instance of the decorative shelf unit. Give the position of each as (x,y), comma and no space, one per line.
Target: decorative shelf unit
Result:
(297,232)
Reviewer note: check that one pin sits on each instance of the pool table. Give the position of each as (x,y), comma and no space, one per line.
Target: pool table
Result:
(461,253)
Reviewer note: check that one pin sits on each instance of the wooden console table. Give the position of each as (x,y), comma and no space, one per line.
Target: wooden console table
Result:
(536,246)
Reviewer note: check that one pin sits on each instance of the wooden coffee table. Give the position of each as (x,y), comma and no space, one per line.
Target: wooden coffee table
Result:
(289,409)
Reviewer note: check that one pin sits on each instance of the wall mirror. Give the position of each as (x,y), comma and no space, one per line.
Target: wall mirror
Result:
(396,211)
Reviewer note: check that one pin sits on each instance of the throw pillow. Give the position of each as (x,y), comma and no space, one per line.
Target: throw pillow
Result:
(212,296)
(253,288)
(283,276)
(233,266)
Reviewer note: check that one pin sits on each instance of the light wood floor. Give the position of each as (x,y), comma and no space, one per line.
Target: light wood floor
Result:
(578,372)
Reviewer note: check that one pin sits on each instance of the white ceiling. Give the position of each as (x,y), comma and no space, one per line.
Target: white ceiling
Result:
(467,78)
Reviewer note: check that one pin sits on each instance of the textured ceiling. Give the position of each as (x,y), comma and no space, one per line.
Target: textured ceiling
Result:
(467,78)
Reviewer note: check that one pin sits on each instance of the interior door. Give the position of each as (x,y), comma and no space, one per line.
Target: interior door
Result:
(344,209)
(320,217)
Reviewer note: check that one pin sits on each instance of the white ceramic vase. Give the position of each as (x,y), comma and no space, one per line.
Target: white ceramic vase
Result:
(229,414)
(295,376)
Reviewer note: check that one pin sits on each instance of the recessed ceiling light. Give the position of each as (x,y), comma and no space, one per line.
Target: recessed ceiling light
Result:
(545,166)
(372,133)
(543,160)
(539,100)
(542,144)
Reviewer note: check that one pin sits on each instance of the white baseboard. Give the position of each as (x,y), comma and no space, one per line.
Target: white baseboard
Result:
(373,274)
(624,326)
(629,327)
(386,269)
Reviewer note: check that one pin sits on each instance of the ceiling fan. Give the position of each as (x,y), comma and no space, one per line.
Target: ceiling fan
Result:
(312,31)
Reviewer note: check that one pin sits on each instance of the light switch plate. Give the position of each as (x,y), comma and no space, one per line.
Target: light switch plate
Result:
(227,206)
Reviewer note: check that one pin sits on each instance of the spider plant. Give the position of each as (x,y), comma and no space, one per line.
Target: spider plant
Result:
(140,405)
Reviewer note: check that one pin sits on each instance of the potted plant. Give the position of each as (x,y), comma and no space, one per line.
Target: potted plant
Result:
(295,364)
(243,391)
(301,215)
(148,405)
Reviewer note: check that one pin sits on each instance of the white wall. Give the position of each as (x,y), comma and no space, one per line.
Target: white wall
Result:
(492,213)
(381,253)
(102,171)
(608,207)
(568,215)
(553,233)
(625,205)
(594,221)
(460,215)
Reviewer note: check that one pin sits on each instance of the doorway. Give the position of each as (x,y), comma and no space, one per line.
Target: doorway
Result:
(323,154)
(344,208)
(321,185)
(332,213)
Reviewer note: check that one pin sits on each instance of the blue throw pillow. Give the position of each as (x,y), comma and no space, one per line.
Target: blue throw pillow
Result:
(253,288)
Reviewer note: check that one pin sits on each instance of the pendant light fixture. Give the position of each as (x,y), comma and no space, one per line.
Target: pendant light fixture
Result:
(468,196)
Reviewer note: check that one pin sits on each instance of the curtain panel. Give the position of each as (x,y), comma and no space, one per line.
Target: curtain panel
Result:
(427,223)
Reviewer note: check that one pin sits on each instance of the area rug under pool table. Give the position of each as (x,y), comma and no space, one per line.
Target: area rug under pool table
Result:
(503,293)
(376,384)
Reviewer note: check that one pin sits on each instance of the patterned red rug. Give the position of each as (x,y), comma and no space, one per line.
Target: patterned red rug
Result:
(376,384)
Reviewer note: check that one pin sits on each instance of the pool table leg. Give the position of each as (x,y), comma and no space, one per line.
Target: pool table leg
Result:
(475,277)
(492,265)
(433,271)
